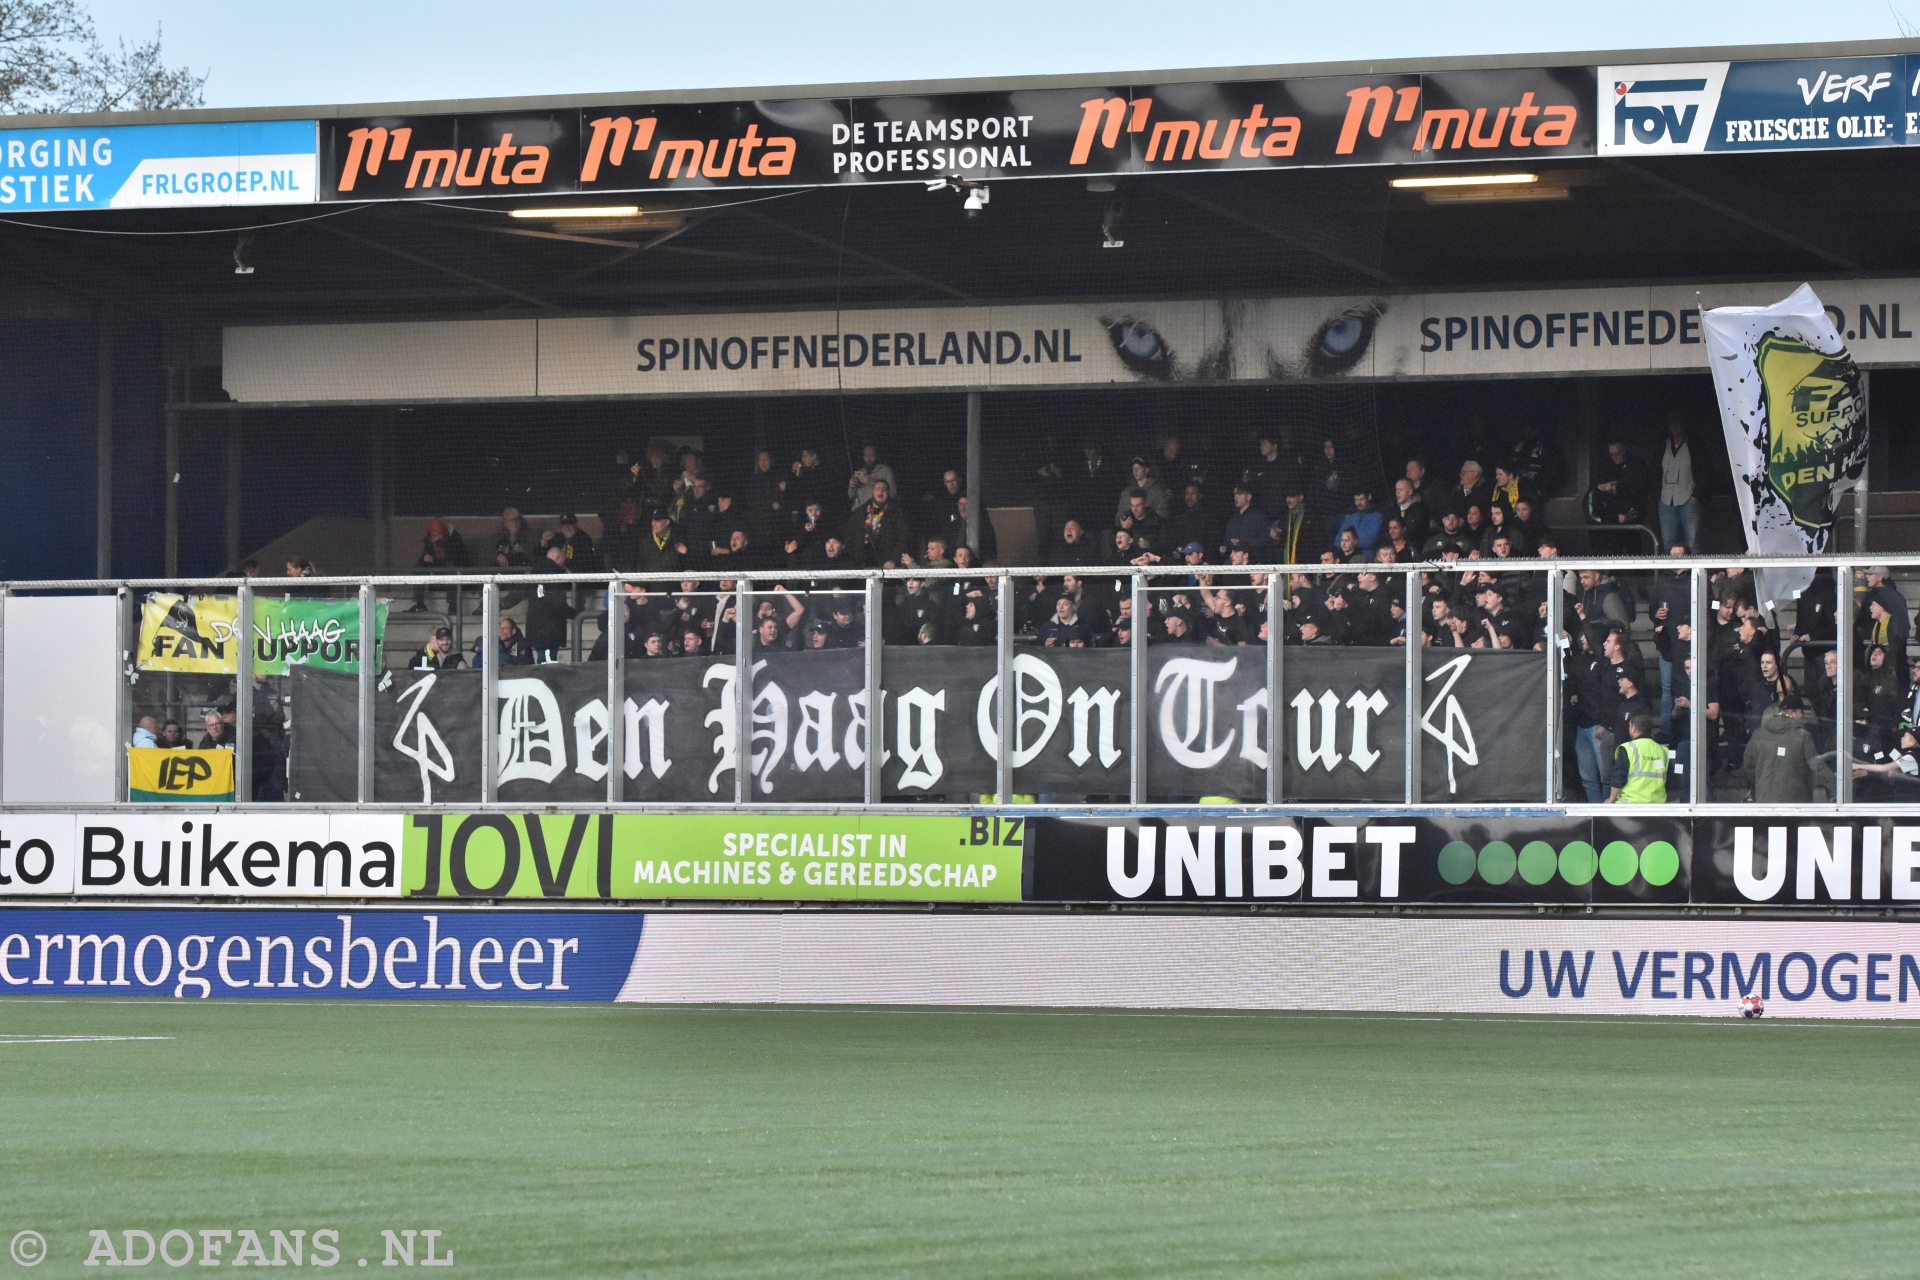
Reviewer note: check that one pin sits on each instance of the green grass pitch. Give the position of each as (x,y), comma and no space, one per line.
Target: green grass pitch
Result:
(602,1141)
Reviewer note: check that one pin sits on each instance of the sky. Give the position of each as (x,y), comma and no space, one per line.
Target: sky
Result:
(349,51)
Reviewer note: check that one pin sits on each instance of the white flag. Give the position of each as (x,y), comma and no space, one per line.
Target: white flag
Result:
(1795,417)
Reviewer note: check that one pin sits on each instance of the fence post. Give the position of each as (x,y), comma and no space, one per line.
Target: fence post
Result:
(1276,684)
(125,639)
(743,691)
(1700,784)
(369,653)
(1556,695)
(490,692)
(1137,702)
(243,697)
(1415,793)
(1843,684)
(1007,723)
(876,597)
(5,593)
(616,691)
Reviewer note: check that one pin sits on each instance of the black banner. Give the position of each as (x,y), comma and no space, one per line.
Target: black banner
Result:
(1510,115)
(1349,859)
(1342,735)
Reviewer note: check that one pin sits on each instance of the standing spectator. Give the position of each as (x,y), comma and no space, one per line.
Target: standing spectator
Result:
(1298,532)
(809,482)
(1178,470)
(1618,497)
(989,547)
(1364,521)
(549,609)
(698,522)
(1146,484)
(1269,475)
(1510,488)
(219,734)
(1679,495)
(871,471)
(1670,606)
(1091,484)
(877,534)
(1329,496)
(1247,524)
(1075,549)
(1430,491)
(1191,521)
(1148,528)
(660,548)
(1410,509)
(1474,489)
(1782,761)
(762,502)
(576,548)
(1884,620)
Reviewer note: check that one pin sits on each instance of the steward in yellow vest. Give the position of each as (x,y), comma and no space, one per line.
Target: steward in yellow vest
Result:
(1640,765)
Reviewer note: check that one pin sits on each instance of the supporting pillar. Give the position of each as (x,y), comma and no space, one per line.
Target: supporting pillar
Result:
(1556,696)
(103,447)
(1007,724)
(1415,793)
(1137,696)
(243,698)
(1860,494)
(1277,685)
(369,652)
(1700,783)
(490,693)
(616,691)
(170,531)
(974,513)
(236,460)
(876,697)
(126,636)
(1843,684)
(743,691)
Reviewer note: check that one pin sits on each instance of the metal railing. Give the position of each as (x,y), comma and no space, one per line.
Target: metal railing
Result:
(873,585)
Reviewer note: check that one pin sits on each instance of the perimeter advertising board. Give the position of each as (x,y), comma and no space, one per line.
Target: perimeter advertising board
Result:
(1116,128)
(159,166)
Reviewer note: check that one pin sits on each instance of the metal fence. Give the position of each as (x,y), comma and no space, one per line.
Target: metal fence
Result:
(1694,791)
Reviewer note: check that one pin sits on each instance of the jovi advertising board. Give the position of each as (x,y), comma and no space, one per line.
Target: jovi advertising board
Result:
(196,634)
(158,166)
(1118,128)
(328,955)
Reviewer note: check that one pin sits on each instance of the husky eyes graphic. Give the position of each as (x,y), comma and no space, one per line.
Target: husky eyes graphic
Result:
(1282,341)
(1141,348)
(1340,343)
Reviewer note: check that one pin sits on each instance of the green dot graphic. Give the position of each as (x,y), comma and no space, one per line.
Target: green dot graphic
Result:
(1456,862)
(1537,862)
(1496,862)
(1578,862)
(1659,863)
(1618,862)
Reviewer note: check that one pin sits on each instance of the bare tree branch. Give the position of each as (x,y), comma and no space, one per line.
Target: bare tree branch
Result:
(52,59)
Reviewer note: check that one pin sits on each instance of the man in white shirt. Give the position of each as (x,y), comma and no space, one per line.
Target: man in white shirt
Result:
(1679,501)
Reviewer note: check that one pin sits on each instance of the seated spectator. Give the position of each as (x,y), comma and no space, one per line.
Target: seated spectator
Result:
(1396,547)
(510,544)
(1510,488)
(693,643)
(1364,522)
(1474,490)
(442,547)
(1501,524)
(917,607)
(510,649)
(977,625)
(146,732)
(576,548)
(172,736)
(1451,542)
(1064,629)
(1074,548)
(1349,548)
(842,628)
(219,734)
(438,655)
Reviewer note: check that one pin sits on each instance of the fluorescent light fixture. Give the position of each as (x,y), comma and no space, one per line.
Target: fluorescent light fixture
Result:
(595,211)
(1469,180)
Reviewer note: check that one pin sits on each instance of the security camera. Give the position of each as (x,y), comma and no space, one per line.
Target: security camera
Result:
(976,201)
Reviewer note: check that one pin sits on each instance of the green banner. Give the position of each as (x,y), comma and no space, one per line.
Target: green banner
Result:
(312,633)
(730,855)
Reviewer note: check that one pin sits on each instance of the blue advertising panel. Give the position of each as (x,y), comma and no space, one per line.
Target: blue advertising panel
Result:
(1801,104)
(402,955)
(159,166)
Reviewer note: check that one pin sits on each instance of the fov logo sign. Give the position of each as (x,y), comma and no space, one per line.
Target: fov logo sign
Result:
(1659,110)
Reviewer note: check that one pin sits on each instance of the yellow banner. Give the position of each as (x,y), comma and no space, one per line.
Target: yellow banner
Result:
(190,633)
(155,773)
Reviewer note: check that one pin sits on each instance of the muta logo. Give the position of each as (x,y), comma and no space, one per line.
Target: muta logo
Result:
(368,149)
(613,139)
(1654,122)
